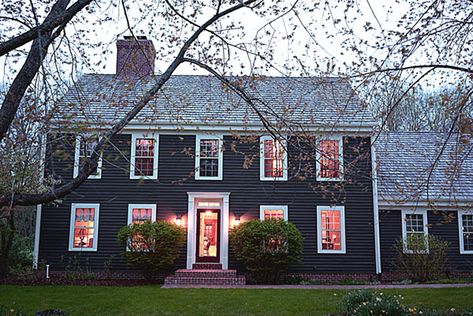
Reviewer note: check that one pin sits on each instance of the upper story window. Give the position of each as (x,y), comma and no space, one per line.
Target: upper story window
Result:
(415,231)
(209,157)
(273,159)
(144,156)
(331,229)
(465,229)
(273,212)
(84,147)
(84,225)
(329,159)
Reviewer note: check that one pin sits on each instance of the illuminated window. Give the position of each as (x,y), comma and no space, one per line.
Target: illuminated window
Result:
(273,212)
(209,158)
(144,157)
(329,160)
(331,229)
(465,228)
(139,214)
(84,227)
(415,231)
(273,159)
(84,147)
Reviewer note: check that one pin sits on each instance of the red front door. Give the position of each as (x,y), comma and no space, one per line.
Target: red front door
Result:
(208,235)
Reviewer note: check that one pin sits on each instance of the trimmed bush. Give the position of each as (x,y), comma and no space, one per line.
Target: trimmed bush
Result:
(153,246)
(266,248)
(421,265)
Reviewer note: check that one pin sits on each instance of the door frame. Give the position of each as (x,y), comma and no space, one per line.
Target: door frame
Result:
(199,211)
(224,199)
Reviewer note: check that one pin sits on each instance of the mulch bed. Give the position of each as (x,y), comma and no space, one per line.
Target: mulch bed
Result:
(93,282)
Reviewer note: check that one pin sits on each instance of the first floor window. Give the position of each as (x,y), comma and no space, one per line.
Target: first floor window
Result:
(209,158)
(331,229)
(329,160)
(84,148)
(465,227)
(84,227)
(139,214)
(273,212)
(415,231)
(273,159)
(144,157)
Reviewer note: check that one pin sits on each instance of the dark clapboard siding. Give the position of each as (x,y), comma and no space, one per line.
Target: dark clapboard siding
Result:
(115,191)
(443,224)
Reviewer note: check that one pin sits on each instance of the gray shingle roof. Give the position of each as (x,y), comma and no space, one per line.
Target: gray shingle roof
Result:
(189,99)
(405,160)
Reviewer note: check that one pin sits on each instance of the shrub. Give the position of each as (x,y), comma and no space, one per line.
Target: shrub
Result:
(364,302)
(266,248)
(153,246)
(420,265)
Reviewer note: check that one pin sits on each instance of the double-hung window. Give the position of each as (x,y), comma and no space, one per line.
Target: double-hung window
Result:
(209,157)
(139,214)
(144,156)
(465,229)
(83,235)
(329,159)
(273,159)
(331,229)
(415,231)
(84,148)
(273,212)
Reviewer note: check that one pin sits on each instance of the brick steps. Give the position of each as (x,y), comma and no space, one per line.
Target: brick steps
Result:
(184,277)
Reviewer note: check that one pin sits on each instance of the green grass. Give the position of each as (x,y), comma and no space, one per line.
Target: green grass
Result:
(152,300)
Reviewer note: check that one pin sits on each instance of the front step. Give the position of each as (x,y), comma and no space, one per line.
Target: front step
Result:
(204,277)
(207,266)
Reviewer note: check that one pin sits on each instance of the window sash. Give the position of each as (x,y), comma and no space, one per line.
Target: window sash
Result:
(84,147)
(84,227)
(274,212)
(209,158)
(273,157)
(331,230)
(329,159)
(144,156)
(467,232)
(415,231)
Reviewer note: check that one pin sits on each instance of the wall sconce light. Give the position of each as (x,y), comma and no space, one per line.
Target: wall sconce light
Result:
(237,220)
(178,220)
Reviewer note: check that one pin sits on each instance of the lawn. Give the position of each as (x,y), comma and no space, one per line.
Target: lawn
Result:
(152,300)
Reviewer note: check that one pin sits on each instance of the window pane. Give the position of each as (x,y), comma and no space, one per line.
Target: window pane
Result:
(140,215)
(331,230)
(209,148)
(87,146)
(467,221)
(329,159)
(273,214)
(84,223)
(144,157)
(273,158)
(208,167)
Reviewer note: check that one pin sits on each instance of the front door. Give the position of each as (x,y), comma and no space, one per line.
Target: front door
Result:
(208,235)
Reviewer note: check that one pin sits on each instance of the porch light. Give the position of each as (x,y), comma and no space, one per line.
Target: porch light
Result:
(178,220)
(237,220)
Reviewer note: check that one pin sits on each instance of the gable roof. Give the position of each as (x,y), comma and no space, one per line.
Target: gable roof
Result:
(204,100)
(406,159)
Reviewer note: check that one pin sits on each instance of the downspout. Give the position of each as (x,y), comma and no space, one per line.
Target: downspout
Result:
(374,179)
(39,207)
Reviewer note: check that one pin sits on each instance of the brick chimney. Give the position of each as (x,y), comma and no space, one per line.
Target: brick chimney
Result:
(135,57)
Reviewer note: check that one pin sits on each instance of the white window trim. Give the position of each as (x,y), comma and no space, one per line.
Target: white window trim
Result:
(342,229)
(425,221)
(76,162)
(261,159)
(75,206)
(284,208)
(132,206)
(340,159)
(134,137)
(198,138)
(460,232)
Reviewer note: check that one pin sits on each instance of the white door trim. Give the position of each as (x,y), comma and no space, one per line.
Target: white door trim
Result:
(192,224)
